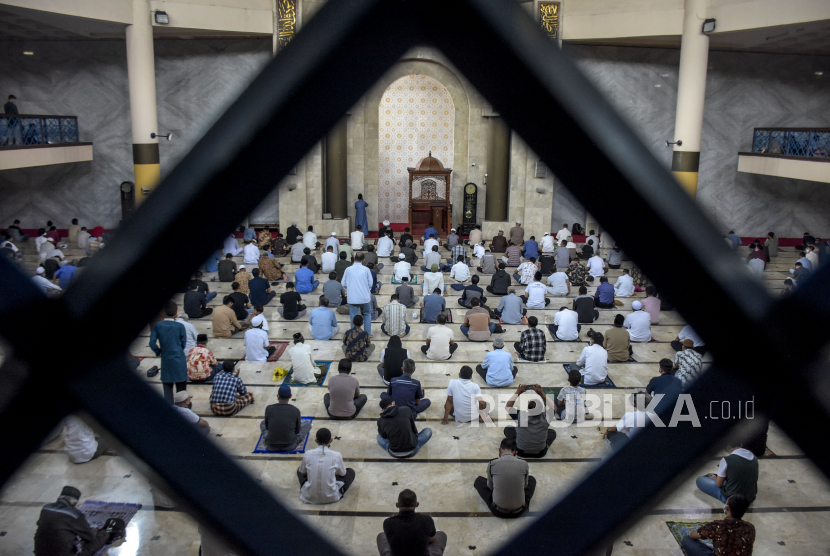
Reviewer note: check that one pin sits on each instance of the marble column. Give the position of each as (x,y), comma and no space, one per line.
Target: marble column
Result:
(498,171)
(336,171)
(141,75)
(691,92)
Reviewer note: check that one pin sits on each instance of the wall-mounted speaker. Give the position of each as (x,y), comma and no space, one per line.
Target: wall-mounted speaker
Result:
(541,170)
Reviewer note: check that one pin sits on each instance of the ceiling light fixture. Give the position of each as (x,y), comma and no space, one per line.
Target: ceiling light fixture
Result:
(708,26)
(162,18)
(28,53)
(819,73)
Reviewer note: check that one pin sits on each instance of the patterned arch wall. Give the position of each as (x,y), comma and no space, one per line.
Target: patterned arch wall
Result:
(416,115)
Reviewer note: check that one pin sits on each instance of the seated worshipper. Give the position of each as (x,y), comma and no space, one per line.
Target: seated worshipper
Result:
(688,333)
(410,533)
(63,530)
(248,234)
(548,244)
(799,273)
(440,341)
(470,291)
(376,284)
(406,391)
(430,231)
(292,303)
(394,318)
(284,430)
(733,239)
(532,344)
(488,263)
(461,392)
(757,252)
(261,293)
(183,404)
(531,248)
(731,535)
(391,360)
(298,250)
(666,384)
(535,297)
(322,322)
(229,394)
(508,488)
(564,234)
(562,256)
(618,342)
(241,304)
(433,306)
(242,279)
(212,264)
(570,403)
(79,441)
(584,305)
(475,237)
(812,256)
(688,363)
(270,269)
(310,239)
(624,287)
(500,282)
(499,244)
(402,269)
(737,474)
(460,271)
(168,340)
(304,278)
(596,266)
(588,250)
(638,324)
(51,266)
(72,232)
(631,422)
(406,293)
(511,309)
(434,280)
(46,286)
(513,255)
(304,369)
(452,240)
(651,304)
(430,243)
(231,245)
(406,235)
(257,346)
(614,257)
(313,266)
(593,361)
(227,268)
(371,257)
(385,244)
(264,237)
(531,434)
(250,253)
(559,285)
(324,478)
(328,260)
(341,265)
(517,233)
(565,325)
(577,274)
(292,233)
(478,250)
(431,257)
(477,326)
(604,297)
(397,433)
(66,274)
(344,400)
(347,249)
(357,238)
(524,274)
(225,323)
(356,344)
(497,369)
(333,242)
(201,363)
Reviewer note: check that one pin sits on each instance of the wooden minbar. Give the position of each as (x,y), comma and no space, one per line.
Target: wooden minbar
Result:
(429,195)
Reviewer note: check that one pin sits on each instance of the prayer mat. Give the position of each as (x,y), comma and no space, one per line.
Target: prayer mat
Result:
(457,287)
(324,368)
(96,513)
(521,360)
(413,279)
(680,529)
(517,324)
(260,445)
(281,346)
(607,383)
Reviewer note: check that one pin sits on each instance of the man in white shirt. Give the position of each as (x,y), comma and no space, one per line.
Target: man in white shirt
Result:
(631,422)
(328,259)
(183,405)
(297,250)
(191,335)
(593,236)
(559,284)
(624,286)
(433,280)
(688,333)
(250,253)
(79,441)
(231,245)
(385,246)
(460,272)
(323,476)
(638,324)
(84,235)
(44,284)
(402,268)
(304,368)
(440,341)
(257,346)
(333,242)
(464,400)
(357,238)
(478,250)
(564,234)
(357,279)
(534,296)
(429,243)
(565,325)
(596,266)
(594,359)
(310,238)
(547,245)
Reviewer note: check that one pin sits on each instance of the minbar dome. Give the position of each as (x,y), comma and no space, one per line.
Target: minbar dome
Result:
(429,164)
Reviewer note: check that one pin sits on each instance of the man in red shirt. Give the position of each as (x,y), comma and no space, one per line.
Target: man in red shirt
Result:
(731,536)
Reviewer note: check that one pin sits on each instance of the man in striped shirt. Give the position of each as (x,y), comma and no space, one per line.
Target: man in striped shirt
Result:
(513,255)
(394,318)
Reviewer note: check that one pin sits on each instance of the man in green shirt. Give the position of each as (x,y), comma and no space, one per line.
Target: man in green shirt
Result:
(737,474)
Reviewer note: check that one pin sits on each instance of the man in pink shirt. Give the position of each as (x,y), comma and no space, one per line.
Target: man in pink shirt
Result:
(651,305)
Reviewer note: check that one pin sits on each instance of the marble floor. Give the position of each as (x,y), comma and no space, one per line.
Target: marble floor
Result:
(790,514)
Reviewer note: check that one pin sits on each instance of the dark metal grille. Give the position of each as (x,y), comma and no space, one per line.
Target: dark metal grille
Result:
(52,130)
(343,51)
(760,142)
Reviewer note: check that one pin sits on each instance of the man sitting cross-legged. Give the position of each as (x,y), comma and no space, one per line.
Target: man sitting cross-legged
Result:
(283,428)
(394,318)
(440,341)
(570,403)
(593,361)
(201,363)
(344,400)
(356,345)
(618,341)
(257,346)
(470,291)
(497,368)
(407,391)
(406,293)
(565,325)
(531,434)
(535,294)
(324,478)
(511,309)
(477,326)
(532,344)
(303,367)
(229,394)
(322,323)
(731,535)
(461,395)
(410,533)
(225,323)
(508,487)
(292,304)
(397,433)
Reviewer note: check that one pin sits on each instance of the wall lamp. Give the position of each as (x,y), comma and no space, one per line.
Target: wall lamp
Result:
(708,26)
(163,19)
(679,143)
(169,136)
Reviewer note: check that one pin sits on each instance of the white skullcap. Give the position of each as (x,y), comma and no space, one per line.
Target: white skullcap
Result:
(401,256)
(257,320)
(333,234)
(40,270)
(385,222)
(636,305)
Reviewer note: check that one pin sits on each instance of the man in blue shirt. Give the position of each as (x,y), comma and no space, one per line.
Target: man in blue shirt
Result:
(433,305)
(734,239)
(170,336)
(212,264)
(357,279)
(304,278)
(322,321)
(605,294)
(430,230)
(531,248)
(248,234)
(406,391)
(668,385)
(260,289)
(65,274)
(497,368)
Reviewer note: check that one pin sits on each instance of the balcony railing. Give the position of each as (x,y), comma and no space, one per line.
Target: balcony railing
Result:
(792,141)
(30,129)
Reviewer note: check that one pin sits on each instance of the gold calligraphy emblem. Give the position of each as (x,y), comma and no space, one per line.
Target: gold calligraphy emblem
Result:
(287,15)
(549,13)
